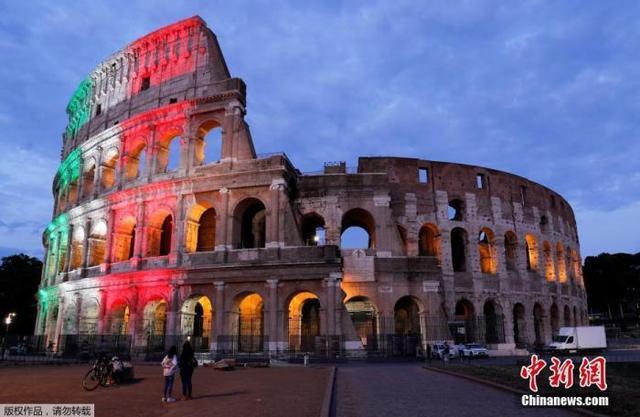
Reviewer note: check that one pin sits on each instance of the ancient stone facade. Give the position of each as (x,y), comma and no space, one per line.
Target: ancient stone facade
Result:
(153,240)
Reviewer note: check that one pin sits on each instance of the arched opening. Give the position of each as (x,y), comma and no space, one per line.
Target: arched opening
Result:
(249,325)
(531,249)
(108,174)
(554,319)
(487,251)
(357,230)
(70,320)
(364,316)
(550,273)
(209,134)
(519,326)
(493,323)
(135,164)
(98,243)
(463,328)
(168,154)
(562,266)
(119,319)
(538,324)
(407,330)
(155,324)
(88,320)
(77,247)
(304,322)
(455,211)
(567,316)
(207,231)
(511,251)
(250,221)
(429,241)
(124,239)
(458,249)
(88,179)
(313,230)
(72,192)
(195,321)
(159,235)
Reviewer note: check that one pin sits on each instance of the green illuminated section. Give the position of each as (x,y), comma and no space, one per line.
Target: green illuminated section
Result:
(79,108)
(69,170)
(59,224)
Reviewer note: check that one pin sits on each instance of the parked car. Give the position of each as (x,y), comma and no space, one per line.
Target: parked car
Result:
(438,349)
(475,350)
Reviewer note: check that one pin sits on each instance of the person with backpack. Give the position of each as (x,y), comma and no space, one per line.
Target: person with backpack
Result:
(187,364)
(169,369)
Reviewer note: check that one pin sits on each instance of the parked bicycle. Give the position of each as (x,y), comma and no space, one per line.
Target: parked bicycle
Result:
(99,374)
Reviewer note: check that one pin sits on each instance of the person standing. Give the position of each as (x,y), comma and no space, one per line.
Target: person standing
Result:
(187,364)
(169,369)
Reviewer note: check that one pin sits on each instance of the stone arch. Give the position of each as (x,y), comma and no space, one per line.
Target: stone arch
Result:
(313,229)
(364,316)
(358,220)
(159,233)
(407,310)
(196,317)
(118,317)
(124,239)
(88,320)
(77,247)
(549,268)
(531,249)
(108,169)
(247,322)
(208,132)
(250,224)
(511,250)
(70,319)
(200,233)
(493,322)
(135,165)
(538,324)
(487,251)
(519,325)
(429,240)
(304,324)
(98,242)
(455,210)
(154,313)
(88,177)
(459,249)
(464,328)
(168,150)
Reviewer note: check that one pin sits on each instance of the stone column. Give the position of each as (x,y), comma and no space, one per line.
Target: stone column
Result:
(177,238)
(133,319)
(78,311)
(138,249)
(275,234)
(67,265)
(274,336)
(102,312)
(330,284)
(58,333)
(172,313)
(221,332)
(97,174)
(106,266)
(223,224)
(85,244)
(80,180)
(507,313)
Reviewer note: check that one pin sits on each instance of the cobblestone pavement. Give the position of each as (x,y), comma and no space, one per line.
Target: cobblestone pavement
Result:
(275,391)
(384,390)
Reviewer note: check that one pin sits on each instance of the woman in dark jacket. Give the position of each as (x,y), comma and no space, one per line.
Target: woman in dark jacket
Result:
(187,364)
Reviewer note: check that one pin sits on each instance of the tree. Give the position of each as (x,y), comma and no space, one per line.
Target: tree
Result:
(613,283)
(19,280)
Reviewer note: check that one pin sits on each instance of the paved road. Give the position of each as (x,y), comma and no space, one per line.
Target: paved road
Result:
(408,390)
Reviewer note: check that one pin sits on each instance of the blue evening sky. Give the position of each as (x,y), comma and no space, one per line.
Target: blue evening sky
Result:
(547,90)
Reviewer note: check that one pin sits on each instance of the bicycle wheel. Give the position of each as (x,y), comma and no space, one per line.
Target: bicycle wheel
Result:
(104,377)
(91,380)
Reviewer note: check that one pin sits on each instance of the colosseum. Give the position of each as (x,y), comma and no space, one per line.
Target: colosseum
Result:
(168,226)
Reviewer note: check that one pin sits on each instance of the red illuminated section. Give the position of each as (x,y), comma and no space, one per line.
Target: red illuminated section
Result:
(167,53)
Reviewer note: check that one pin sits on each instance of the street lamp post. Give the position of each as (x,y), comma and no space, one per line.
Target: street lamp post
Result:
(7,323)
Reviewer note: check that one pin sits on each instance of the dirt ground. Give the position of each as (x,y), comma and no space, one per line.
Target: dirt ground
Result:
(275,391)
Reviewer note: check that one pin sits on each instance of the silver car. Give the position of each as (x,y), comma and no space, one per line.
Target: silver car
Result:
(475,350)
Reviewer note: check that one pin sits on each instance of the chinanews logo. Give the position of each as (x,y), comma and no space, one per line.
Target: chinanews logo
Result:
(591,372)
